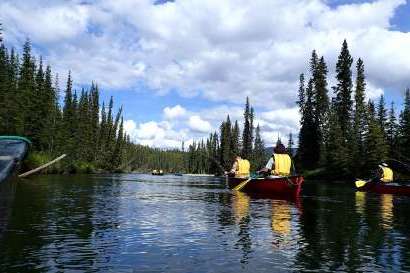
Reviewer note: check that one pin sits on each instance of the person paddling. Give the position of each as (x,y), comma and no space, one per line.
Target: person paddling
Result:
(385,173)
(280,163)
(240,168)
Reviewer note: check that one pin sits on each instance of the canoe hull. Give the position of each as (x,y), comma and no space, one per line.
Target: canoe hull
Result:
(378,187)
(13,150)
(282,186)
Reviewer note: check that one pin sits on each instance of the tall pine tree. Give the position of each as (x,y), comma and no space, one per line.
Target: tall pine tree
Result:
(343,89)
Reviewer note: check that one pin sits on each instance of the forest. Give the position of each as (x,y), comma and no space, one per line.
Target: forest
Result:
(92,135)
(342,133)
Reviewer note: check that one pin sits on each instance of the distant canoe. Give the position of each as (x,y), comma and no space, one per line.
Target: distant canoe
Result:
(13,150)
(285,186)
(386,188)
(155,172)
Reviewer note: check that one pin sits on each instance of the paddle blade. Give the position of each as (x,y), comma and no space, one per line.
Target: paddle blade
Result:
(241,185)
(360,183)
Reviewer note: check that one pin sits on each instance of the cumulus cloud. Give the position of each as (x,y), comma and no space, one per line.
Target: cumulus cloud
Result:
(174,112)
(197,124)
(214,50)
(155,134)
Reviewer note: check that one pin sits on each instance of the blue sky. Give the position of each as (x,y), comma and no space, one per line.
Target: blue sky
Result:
(179,67)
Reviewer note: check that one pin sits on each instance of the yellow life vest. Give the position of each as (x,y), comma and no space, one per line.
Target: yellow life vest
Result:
(243,168)
(282,164)
(387,174)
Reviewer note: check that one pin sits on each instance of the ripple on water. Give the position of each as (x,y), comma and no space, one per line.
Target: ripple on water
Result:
(141,223)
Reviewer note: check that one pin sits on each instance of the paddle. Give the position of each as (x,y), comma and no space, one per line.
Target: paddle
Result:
(360,183)
(242,184)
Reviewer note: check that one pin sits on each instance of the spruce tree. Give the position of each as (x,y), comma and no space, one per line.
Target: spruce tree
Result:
(392,129)
(309,133)
(321,104)
(382,114)
(1,33)
(4,84)
(359,120)
(337,151)
(94,108)
(235,140)
(259,151)
(301,94)
(225,151)
(404,130)
(247,132)
(376,148)
(26,93)
(12,113)
(343,89)
(290,144)
(321,98)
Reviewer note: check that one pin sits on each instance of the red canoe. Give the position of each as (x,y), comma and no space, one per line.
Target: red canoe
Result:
(379,187)
(285,186)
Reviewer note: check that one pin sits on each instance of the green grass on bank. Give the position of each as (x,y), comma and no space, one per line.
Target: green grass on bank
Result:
(64,166)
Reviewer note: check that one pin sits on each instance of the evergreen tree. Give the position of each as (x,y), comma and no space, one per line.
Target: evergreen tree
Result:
(259,151)
(49,113)
(4,84)
(359,120)
(301,94)
(225,151)
(337,152)
(376,148)
(404,131)
(290,144)
(1,33)
(309,133)
(252,128)
(26,94)
(382,115)
(235,140)
(320,103)
(343,89)
(392,129)
(321,98)
(94,118)
(247,132)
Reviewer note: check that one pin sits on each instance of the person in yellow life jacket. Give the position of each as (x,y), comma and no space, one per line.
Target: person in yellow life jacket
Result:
(385,174)
(280,164)
(240,168)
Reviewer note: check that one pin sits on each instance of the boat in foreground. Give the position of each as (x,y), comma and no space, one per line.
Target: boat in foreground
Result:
(380,187)
(13,150)
(289,186)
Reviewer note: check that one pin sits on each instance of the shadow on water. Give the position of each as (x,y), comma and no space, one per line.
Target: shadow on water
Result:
(7,192)
(140,223)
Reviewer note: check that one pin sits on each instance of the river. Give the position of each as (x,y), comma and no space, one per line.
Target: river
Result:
(144,223)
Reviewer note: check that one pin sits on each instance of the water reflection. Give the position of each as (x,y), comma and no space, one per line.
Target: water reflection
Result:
(7,192)
(386,210)
(281,222)
(240,205)
(137,223)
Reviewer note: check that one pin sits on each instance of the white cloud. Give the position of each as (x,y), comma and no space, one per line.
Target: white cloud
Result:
(45,24)
(197,124)
(213,50)
(155,134)
(174,112)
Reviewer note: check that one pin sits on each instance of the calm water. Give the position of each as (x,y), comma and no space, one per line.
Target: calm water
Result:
(142,223)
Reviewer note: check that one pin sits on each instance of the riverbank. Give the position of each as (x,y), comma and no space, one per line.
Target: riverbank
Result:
(65,166)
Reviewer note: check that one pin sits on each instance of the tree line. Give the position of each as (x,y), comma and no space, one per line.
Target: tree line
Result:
(216,154)
(30,107)
(343,134)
